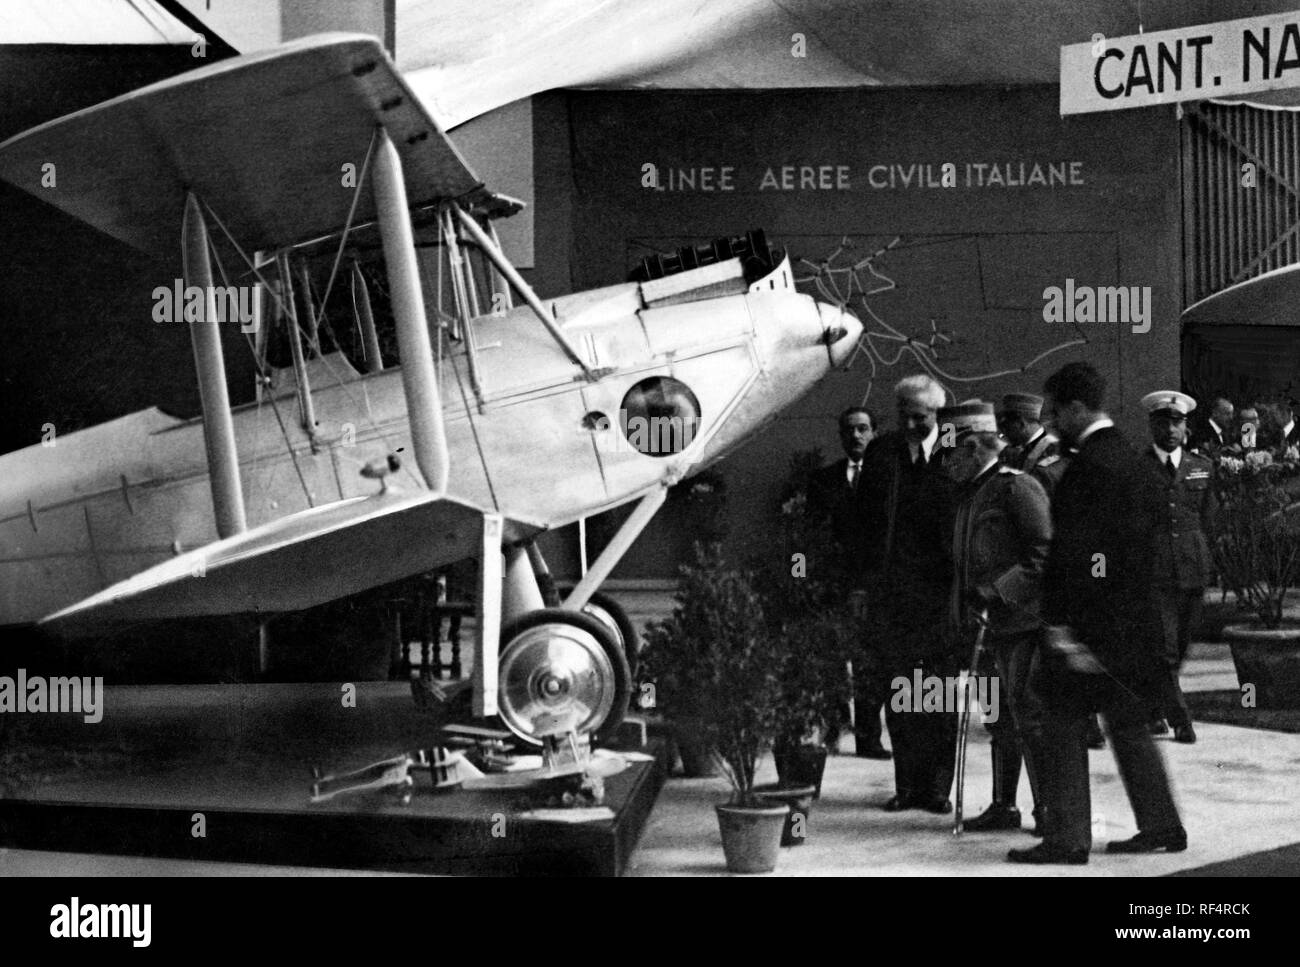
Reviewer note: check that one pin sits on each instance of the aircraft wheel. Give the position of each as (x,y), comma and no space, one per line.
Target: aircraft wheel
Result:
(612,615)
(561,667)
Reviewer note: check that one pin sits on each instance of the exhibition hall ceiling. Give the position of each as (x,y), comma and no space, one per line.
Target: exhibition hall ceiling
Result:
(465,57)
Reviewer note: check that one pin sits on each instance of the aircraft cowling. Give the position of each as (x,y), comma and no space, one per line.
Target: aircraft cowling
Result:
(790,337)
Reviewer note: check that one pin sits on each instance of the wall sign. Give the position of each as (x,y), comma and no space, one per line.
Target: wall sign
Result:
(1187,64)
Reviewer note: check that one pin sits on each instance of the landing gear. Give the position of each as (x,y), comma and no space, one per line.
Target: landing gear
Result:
(611,614)
(562,672)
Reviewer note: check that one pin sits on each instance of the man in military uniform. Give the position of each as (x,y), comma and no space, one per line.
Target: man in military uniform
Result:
(1181,565)
(1020,423)
(1000,544)
(1033,448)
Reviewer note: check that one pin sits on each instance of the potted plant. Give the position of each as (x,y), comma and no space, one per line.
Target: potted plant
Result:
(810,622)
(671,660)
(715,659)
(805,641)
(1257,550)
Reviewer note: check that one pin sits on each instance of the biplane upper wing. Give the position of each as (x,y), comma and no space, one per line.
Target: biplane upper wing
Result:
(297,562)
(262,139)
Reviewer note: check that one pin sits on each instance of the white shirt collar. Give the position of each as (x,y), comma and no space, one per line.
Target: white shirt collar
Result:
(927,444)
(848,470)
(1101,423)
(1286,430)
(1218,430)
(1174,456)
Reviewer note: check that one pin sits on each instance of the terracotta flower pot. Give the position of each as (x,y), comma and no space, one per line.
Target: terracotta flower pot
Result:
(1268,659)
(696,753)
(800,800)
(751,836)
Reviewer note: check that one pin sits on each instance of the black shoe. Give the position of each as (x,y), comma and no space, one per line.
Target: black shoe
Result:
(1159,727)
(1185,734)
(998,816)
(900,802)
(937,805)
(1042,853)
(876,751)
(1174,842)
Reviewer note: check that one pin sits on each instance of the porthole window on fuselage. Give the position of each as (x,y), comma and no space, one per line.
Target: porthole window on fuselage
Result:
(660,416)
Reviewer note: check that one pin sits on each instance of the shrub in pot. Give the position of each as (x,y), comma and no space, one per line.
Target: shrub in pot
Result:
(1257,551)
(673,655)
(804,591)
(714,659)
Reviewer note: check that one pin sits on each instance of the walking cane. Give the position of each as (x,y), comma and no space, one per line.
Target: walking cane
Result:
(983,619)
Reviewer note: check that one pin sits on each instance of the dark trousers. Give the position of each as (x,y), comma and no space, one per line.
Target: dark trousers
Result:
(1017,730)
(1063,771)
(925,743)
(1180,613)
(870,692)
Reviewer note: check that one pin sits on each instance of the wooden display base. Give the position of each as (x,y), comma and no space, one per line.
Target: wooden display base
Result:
(223,772)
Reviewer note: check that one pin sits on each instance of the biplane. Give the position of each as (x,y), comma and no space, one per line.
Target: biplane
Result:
(496,414)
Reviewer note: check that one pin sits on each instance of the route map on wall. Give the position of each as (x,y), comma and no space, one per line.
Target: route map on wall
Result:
(861,273)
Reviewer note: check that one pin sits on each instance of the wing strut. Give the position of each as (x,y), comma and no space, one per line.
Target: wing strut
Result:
(419,381)
(209,363)
(306,408)
(523,288)
(616,548)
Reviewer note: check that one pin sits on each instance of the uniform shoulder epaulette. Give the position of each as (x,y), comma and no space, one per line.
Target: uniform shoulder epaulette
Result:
(1048,461)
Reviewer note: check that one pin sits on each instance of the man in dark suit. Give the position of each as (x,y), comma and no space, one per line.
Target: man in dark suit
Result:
(906,570)
(1038,452)
(1218,430)
(1003,531)
(835,494)
(1285,430)
(1182,567)
(1102,647)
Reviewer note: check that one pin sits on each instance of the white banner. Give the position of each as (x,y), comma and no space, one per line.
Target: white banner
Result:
(1190,63)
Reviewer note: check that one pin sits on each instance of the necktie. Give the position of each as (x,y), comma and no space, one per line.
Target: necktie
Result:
(854,470)
(1170,468)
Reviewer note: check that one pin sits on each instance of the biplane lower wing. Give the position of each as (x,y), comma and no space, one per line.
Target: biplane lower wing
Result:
(296,562)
